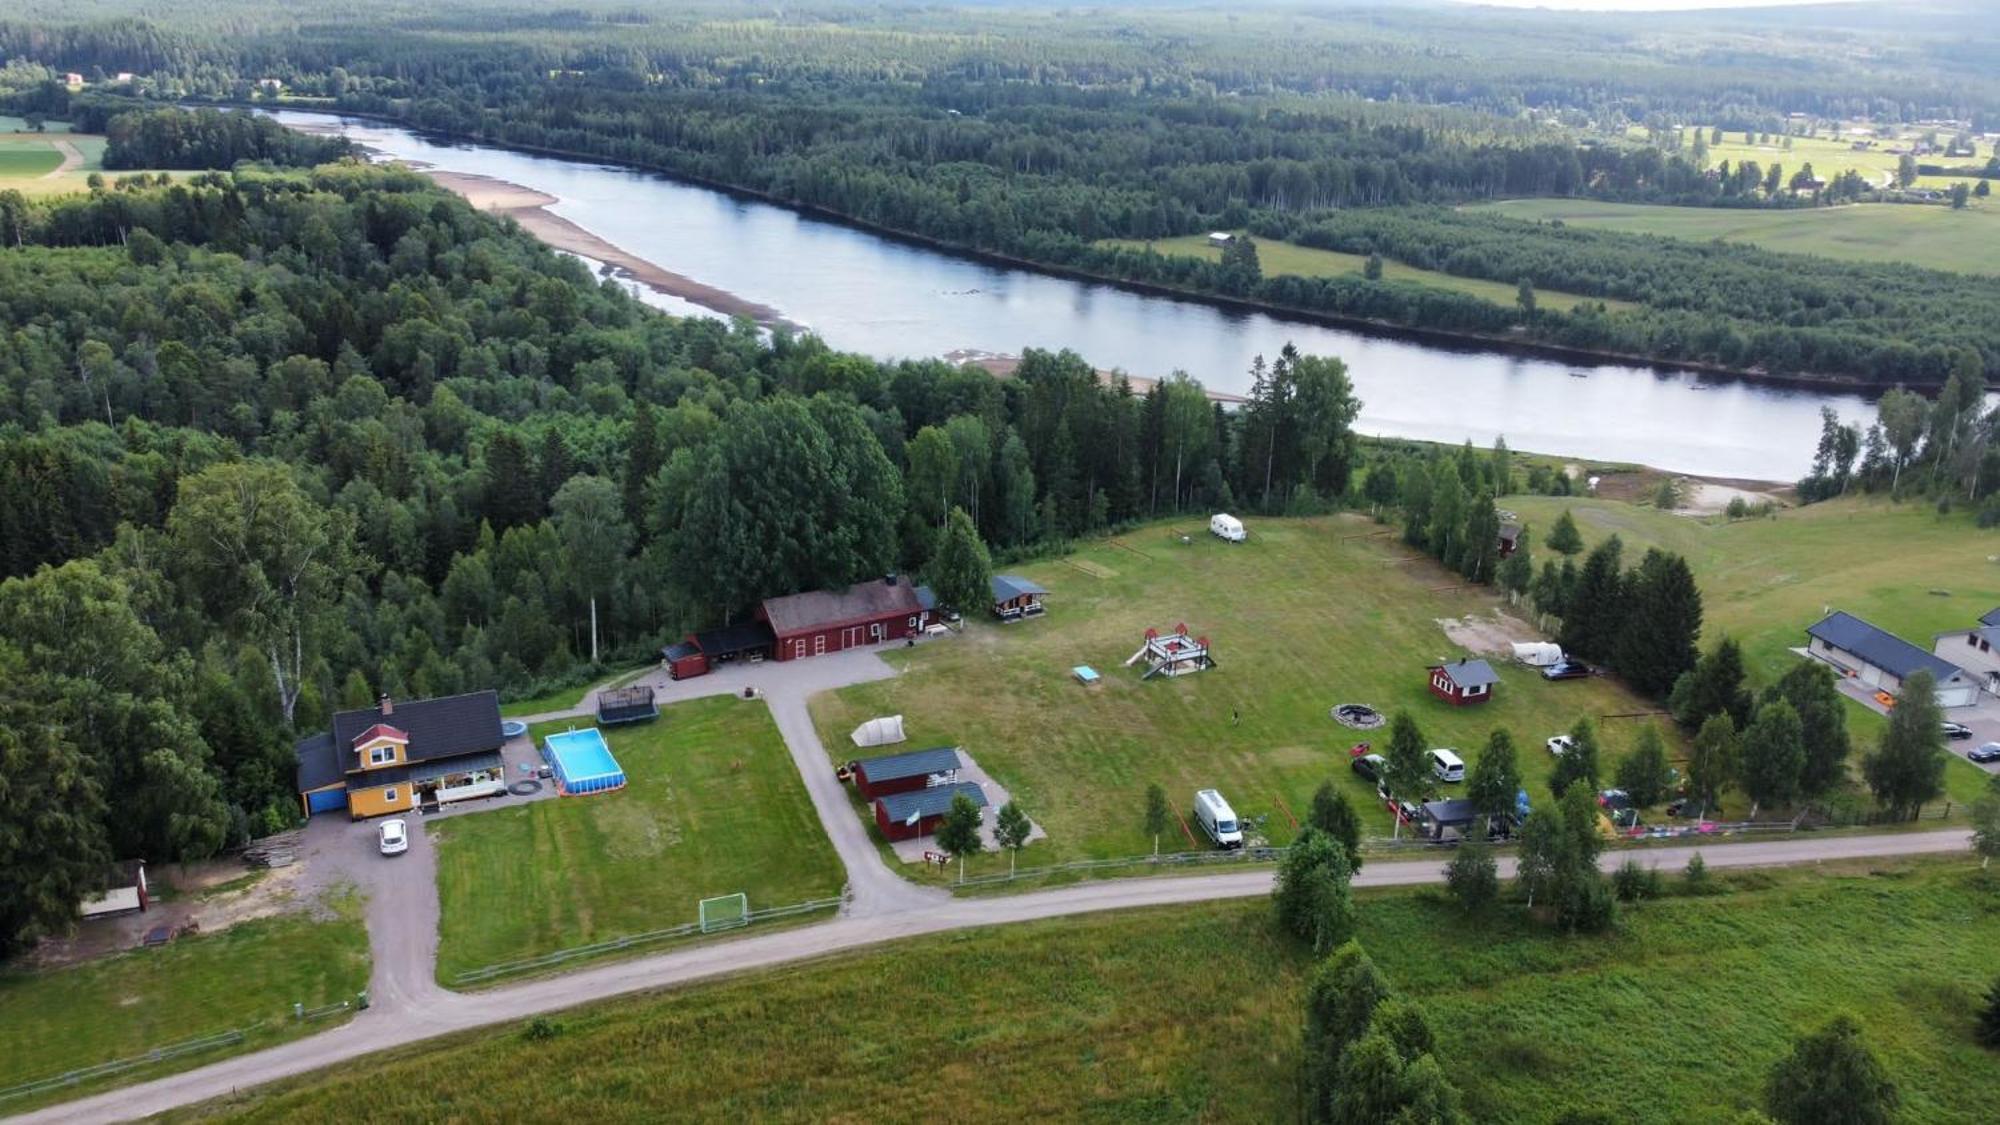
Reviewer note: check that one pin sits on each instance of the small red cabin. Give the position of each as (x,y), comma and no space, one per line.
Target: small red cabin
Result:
(903,773)
(1463,682)
(905,816)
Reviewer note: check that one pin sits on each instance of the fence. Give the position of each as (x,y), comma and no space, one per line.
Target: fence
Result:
(119,1066)
(631,941)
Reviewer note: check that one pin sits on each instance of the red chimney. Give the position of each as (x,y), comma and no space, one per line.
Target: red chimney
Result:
(388,705)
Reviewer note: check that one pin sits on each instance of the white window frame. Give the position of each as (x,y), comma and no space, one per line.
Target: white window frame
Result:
(375,754)
(389,794)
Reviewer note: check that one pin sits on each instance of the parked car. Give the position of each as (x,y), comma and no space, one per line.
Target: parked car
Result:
(1404,811)
(393,836)
(1358,749)
(1614,799)
(1687,808)
(1561,744)
(1956,731)
(1447,766)
(1990,752)
(1569,670)
(1370,766)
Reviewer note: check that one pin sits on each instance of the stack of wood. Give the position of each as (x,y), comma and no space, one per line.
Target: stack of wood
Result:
(279,850)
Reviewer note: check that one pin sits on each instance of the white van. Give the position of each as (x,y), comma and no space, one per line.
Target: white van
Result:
(1217,819)
(1447,766)
(1224,526)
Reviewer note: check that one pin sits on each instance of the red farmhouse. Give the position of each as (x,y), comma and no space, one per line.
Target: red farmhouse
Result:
(904,816)
(1463,682)
(901,773)
(824,621)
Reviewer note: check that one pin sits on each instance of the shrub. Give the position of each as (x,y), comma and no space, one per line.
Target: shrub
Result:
(1633,882)
(1697,873)
(541,1029)
(1987,1029)
(1472,877)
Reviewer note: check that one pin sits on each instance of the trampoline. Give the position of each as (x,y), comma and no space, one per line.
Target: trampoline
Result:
(582,762)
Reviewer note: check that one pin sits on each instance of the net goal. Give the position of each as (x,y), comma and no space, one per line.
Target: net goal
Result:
(726,912)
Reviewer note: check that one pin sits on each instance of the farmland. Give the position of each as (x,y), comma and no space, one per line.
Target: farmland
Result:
(1278,258)
(713,806)
(1306,615)
(1935,237)
(246,977)
(1192,1013)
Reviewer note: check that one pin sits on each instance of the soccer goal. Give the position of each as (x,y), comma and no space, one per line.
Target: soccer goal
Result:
(725,913)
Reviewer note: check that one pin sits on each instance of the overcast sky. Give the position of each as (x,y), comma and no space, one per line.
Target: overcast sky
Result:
(1643,5)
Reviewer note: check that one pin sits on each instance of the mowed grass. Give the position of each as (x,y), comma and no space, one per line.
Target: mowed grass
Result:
(1191,1013)
(1276,258)
(1933,237)
(246,977)
(713,805)
(1763,581)
(25,160)
(1306,615)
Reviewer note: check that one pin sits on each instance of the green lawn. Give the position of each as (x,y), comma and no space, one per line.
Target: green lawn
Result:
(1901,566)
(1277,258)
(713,806)
(246,977)
(1965,241)
(12,124)
(566,698)
(1306,615)
(1192,1014)
(25,159)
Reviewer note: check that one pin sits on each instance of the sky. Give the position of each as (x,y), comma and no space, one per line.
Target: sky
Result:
(1645,5)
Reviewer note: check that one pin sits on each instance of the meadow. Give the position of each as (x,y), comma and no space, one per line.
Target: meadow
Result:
(1306,615)
(246,977)
(1191,1013)
(1932,237)
(1277,258)
(713,806)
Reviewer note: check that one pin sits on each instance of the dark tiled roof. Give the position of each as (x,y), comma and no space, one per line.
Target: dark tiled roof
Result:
(680,650)
(1884,650)
(910,763)
(819,609)
(319,766)
(1471,673)
(1990,617)
(935,801)
(423,771)
(1454,811)
(1007,587)
(438,728)
(734,640)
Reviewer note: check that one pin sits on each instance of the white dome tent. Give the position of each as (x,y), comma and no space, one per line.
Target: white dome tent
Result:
(879,732)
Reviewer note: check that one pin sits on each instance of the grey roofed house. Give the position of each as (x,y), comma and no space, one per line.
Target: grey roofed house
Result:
(910,763)
(1990,618)
(1007,587)
(925,803)
(1471,673)
(1879,647)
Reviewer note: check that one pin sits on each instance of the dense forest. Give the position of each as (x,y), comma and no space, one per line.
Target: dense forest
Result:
(1044,133)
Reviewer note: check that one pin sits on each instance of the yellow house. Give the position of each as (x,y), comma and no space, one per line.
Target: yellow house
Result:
(392,758)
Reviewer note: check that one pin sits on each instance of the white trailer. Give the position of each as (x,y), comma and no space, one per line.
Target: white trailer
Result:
(1224,526)
(1538,654)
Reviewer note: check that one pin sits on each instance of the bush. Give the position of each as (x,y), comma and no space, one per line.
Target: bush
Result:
(1987,1029)
(1633,882)
(1737,508)
(541,1029)
(1472,877)
(1587,906)
(1697,873)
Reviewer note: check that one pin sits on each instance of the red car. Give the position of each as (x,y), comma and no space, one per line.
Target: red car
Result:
(1358,749)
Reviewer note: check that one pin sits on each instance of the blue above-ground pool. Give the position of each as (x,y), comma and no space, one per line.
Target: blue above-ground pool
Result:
(513,728)
(583,762)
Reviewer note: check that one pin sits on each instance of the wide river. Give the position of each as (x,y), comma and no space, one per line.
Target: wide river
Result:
(864,293)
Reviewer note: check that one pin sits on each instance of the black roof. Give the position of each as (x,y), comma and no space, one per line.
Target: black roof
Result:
(935,801)
(319,767)
(1451,812)
(1884,650)
(734,640)
(450,727)
(423,771)
(680,650)
(910,763)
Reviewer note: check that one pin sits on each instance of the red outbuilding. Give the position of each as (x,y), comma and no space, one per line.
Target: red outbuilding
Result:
(1463,682)
(701,652)
(905,816)
(823,621)
(901,773)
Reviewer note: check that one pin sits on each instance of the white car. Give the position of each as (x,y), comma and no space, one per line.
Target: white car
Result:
(394,836)
(1560,745)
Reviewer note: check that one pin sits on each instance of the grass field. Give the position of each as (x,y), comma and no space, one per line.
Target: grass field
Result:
(1900,566)
(1192,1014)
(250,974)
(1831,158)
(1306,615)
(1284,258)
(1965,241)
(26,160)
(567,698)
(713,806)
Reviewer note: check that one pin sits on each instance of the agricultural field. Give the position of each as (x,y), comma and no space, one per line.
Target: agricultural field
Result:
(1830,158)
(246,977)
(1192,1013)
(1277,258)
(42,164)
(1933,237)
(1900,566)
(713,806)
(1306,615)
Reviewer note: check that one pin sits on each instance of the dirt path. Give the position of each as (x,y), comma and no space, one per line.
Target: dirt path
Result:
(72,159)
(382,1028)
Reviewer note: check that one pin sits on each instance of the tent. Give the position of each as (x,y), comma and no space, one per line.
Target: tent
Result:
(879,732)
(1538,654)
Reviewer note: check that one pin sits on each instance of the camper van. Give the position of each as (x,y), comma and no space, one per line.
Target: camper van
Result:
(1538,654)
(1447,766)
(1217,819)
(1222,525)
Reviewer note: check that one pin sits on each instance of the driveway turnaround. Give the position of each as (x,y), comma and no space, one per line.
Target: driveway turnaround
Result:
(389,1026)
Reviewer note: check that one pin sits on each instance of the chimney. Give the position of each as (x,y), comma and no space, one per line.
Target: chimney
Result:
(889,579)
(388,705)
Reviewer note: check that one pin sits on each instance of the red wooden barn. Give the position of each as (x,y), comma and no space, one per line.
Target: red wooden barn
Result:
(823,621)
(701,652)
(1510,539)
(1463,682)
(901,773)
(905,816)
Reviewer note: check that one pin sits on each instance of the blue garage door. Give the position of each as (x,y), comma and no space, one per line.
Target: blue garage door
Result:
(328,801)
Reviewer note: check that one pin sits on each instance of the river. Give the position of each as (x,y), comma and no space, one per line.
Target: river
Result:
(887,298)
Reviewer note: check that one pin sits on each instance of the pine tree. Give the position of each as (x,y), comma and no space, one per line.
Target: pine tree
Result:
(1597,607)
(1516,573)
(1655,643)
(1713,687)
(1564,538)
(1333,814)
